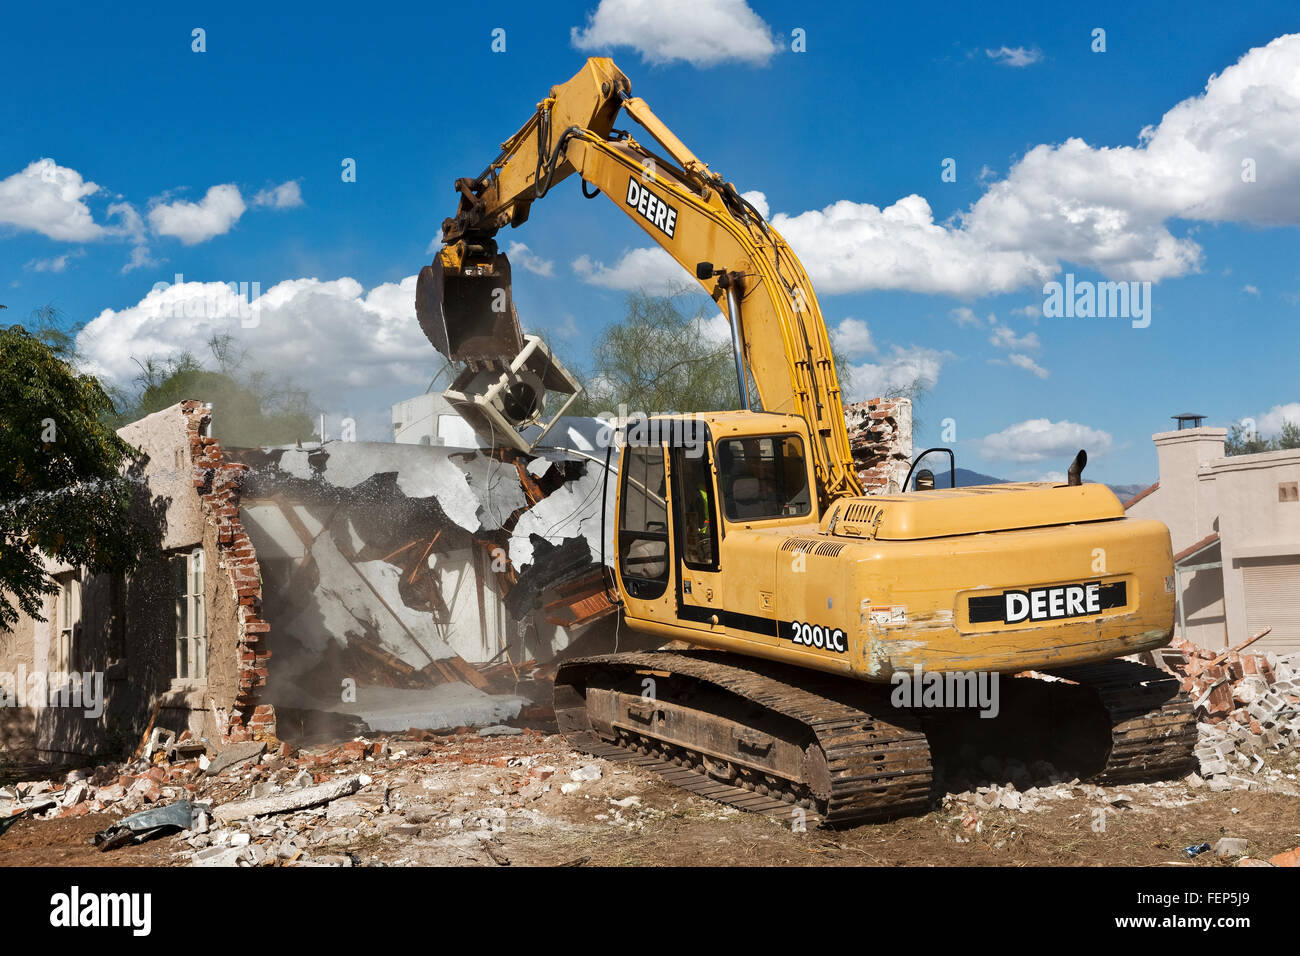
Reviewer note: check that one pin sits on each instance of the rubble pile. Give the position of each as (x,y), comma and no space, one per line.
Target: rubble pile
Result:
(1249,710)
(254,805)
(972,813)
(987,814)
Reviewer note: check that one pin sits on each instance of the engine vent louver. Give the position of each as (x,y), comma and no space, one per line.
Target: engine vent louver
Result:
(858,520)
(825,549)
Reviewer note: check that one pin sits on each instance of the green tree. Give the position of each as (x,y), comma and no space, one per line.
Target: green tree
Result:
(662,358)
(46,323)
(247,412)
(66,488)
(1241,441)
(659,359)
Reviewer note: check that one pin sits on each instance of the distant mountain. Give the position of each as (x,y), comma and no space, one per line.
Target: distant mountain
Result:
(1125,492)
(966,478)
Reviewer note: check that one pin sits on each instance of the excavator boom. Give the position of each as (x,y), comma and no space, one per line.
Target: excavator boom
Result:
(702,221)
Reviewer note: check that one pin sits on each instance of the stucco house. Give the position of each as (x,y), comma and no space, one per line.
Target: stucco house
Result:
(177,644)
(1235,527)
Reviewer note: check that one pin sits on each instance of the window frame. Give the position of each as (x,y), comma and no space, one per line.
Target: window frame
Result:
(67,618)
(809,506)
(679,469)
(191,623)
(638,586)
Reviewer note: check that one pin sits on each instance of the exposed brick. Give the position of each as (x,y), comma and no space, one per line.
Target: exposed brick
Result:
(219,483)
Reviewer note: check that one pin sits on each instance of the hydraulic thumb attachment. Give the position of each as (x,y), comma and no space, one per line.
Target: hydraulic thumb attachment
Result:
(466,309)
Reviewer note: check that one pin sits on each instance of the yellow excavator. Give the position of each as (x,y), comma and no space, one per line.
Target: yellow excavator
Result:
(744,535)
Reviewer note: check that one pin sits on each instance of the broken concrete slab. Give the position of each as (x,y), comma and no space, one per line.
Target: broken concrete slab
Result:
(392,710)
(575,510)
(287,801)
(235,755)
(217,856)
(1288,858)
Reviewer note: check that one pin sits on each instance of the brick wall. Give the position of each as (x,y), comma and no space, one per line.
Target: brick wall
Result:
(880,434)
(219,482)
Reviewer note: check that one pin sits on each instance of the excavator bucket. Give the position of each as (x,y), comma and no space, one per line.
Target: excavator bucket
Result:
(469,314)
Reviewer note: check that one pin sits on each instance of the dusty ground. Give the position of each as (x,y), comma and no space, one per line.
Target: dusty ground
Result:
(466,800)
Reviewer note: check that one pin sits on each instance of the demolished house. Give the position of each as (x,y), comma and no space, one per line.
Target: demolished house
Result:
(342,586)
(406,583)
(177,643)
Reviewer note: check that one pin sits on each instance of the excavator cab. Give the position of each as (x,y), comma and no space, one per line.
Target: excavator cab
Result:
(689,488)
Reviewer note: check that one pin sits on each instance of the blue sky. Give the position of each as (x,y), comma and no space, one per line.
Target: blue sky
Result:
(864,118)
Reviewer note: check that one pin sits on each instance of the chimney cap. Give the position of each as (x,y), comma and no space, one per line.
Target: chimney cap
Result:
(1188,420)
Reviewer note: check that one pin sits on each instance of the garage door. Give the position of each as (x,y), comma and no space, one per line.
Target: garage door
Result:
(1272,590)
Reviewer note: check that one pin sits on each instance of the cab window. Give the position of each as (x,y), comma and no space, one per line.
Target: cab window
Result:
(643,523)
(763,478)
(697,510)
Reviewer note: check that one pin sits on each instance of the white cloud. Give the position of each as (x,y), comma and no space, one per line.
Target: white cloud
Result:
(1270,423)
(853,338)
(55,264)
(140,259)
(214,215)
(903,368)
(351,333)
(354,349)
(966,316)
(1015,56)
(1250,290)
(714,327)
(1029,365)
(131,228)
(130,225)
(702,32)
(50,199)
(1230,153)
(1034,312)
(284,196)
(1004,337)
(852,247)
(649,269)
(1038,439)
(520,255)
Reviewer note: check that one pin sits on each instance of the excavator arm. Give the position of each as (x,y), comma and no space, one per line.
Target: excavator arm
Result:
(699,219)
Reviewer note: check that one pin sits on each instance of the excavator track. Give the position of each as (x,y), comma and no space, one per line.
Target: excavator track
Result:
(803,748)
(814,749)
(1153,724)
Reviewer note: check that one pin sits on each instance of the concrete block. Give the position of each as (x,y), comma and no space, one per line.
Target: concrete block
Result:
(1230,846)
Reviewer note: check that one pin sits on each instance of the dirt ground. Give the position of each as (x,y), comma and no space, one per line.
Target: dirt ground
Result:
(465,800)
